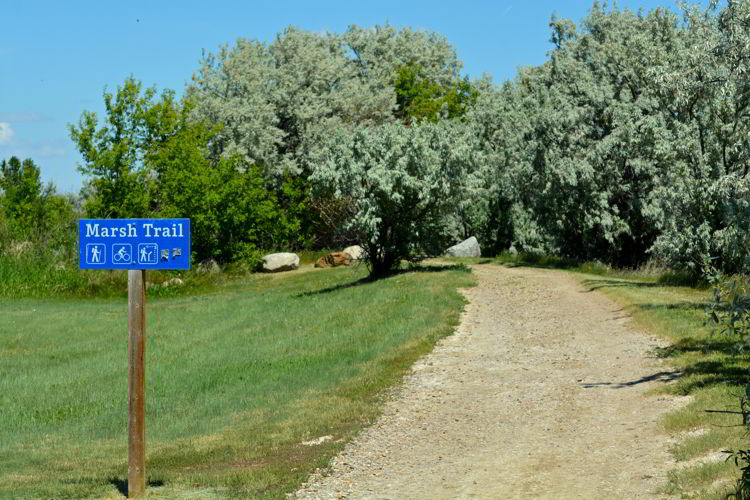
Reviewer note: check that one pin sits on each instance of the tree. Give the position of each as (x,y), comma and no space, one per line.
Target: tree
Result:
(31,210)
(624,145)
(119,184)
(234,88)
(232,213)
(23,198)
(403,181)
(278,102)
(379,52)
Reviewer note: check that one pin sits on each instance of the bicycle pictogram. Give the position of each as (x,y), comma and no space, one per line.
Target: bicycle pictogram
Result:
(122,253)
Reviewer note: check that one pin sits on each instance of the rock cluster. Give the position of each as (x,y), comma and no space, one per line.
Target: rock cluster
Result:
(286,261)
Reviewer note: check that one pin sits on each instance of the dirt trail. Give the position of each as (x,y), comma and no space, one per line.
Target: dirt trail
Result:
(539,394)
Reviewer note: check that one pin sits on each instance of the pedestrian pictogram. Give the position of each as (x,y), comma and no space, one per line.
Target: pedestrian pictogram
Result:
(95,253)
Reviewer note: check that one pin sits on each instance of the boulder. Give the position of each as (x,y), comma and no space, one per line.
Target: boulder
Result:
(467,248)
(173,281)
(356,251)
(335,259)
(279,262)
(208,267)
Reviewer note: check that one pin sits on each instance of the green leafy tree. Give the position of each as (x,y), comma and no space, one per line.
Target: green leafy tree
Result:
(119,184)
(233,214)
(419,99)
(23,194)
(31,211)
(30,206)
(153,158)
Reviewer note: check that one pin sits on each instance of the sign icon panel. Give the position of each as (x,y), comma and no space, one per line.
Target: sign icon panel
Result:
(134,244)
(122,253)
(148,253)
(96,253)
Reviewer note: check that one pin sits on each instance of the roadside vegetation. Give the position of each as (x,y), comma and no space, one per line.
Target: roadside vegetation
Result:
(628,144)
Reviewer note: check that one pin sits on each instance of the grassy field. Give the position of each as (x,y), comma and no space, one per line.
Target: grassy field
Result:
(238,378)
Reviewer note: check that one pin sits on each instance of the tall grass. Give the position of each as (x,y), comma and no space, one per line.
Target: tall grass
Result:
(42,273)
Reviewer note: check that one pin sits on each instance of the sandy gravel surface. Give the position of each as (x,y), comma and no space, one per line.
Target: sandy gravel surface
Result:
(539,394)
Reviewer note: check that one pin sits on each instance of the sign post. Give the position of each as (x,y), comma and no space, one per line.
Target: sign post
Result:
(135,245)
(136,382)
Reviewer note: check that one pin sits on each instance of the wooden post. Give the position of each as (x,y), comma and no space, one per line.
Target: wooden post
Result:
(136,383)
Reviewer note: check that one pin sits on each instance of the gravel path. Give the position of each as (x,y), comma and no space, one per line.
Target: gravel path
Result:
(539,394)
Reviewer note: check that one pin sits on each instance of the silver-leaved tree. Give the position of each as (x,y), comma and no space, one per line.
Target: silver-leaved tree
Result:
(404,182)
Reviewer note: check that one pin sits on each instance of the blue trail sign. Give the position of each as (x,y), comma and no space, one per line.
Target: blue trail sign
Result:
(134,243)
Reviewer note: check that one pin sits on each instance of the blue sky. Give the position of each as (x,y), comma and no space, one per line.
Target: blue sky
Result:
(57,57)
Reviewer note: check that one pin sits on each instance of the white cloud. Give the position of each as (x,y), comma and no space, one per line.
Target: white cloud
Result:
(5,133)
(29,116)
(47,151)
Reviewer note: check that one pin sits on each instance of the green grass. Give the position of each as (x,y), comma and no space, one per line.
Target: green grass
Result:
(237,378)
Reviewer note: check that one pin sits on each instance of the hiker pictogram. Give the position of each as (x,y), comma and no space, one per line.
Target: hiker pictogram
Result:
(148,253)
(95,253)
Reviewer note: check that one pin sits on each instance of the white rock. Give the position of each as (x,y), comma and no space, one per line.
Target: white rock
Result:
(467,248)
(278,262)
(208,267)
(356,251)
(173,281)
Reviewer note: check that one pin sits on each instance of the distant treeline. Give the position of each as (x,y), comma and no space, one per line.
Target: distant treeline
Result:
(630,143)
